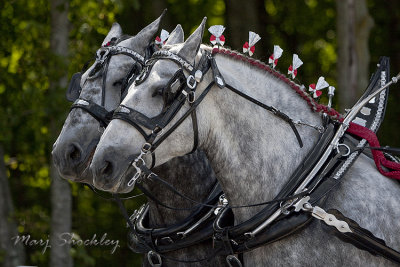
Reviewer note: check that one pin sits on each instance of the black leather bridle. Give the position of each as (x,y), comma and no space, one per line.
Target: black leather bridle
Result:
(102,60)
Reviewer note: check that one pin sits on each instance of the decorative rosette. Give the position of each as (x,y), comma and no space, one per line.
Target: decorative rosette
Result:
(292,71)
(273,59)
(216,35)
(316,89)
(249,46)
(160,40)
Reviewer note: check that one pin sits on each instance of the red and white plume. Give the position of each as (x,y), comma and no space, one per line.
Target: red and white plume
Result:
(160,40)
(295,65)
(316,89)
(216,35)
(273,59)
(249,46)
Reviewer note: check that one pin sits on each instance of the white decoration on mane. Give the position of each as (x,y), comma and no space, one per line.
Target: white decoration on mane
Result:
(216,30)
(253,38)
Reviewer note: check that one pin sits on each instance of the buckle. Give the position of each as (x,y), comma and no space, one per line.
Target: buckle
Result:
(191,82)
(233,261)
(191,97)
(151,256)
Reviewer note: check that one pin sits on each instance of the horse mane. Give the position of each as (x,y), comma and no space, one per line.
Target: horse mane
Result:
(316,107)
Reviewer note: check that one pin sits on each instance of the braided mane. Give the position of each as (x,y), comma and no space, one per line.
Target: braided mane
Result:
(316,107)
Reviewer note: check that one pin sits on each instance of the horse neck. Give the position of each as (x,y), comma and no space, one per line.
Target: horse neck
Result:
(191,175)
(252,151)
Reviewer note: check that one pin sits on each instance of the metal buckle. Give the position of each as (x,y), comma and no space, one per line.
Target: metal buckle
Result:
(191,82)
(191,97)
(102,54)
(151,255)
(233,261)
(342,153)
(157,131)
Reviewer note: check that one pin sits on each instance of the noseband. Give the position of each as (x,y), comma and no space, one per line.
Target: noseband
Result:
(103,57)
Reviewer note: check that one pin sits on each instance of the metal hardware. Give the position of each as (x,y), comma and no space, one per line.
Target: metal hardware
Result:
(194,226)
(233,261)
(145,149)
(157,131)
(198,75)
(124,110)
(299,205)
(191,82)
(320,129)
(191,97)
(330,220)
(342,153)
(102,54)
(82,102)
(136,214)
(151,255)
(321,214)
(220,82)
(331,93)
(139,158)
(222,202)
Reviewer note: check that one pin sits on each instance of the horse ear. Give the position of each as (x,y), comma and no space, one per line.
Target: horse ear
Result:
(192,44)
(176,36)
(140,41)
(115,32)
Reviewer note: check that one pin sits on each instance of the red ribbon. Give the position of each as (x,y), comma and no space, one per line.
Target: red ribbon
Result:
(379,158)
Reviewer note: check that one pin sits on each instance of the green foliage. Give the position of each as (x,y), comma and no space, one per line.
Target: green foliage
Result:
(31,115)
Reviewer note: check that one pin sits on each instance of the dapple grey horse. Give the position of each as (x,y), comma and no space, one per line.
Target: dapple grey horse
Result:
(81,132)
(253,154)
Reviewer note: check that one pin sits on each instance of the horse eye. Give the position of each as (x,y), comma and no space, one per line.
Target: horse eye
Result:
(159,91)
(119,82)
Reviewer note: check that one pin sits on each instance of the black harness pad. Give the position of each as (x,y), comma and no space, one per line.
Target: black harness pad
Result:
(74,87)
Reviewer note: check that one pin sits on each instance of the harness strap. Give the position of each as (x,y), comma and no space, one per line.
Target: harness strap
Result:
(102,115)
(271,109)
(170,187)
(379,157)
(181,119)
(362,238)
(195,131)
(105,69)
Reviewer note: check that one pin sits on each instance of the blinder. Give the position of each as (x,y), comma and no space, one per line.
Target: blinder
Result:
(173,88)
(74,87)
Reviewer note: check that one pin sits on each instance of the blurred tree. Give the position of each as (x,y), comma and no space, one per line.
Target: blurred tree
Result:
(60,189)
(353,27)
(11,254)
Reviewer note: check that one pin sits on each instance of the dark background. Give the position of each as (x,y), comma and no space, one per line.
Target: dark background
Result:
(32,111)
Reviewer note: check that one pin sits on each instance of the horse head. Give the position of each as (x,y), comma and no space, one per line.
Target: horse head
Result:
(149,99)
(97,92)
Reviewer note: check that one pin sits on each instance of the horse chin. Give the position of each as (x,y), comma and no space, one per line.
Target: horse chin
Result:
(82,173)
(121,187)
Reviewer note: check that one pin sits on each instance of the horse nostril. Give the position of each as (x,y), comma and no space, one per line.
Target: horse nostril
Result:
(75,153)
(107,169)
